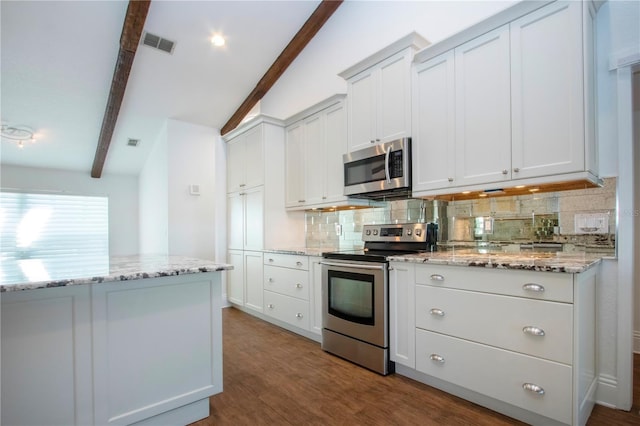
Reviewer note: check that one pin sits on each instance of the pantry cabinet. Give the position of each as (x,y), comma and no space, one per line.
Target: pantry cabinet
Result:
(245,156)
(245,219)
(379,93)
(521,338)
(507,105)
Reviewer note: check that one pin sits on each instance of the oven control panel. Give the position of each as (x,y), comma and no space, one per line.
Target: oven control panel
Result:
(404,232)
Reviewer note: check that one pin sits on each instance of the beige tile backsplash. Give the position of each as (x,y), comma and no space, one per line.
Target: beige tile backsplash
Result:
(547,217)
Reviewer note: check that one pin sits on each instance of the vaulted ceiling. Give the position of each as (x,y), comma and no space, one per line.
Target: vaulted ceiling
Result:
(58,58)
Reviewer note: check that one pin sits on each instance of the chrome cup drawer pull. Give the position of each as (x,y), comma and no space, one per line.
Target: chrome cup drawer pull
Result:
(437,277)
(436,358)
(533,287)
(533,388)
(270,306)
(298,285)
(298,315)
(436,312)
(534,331)
(298,263)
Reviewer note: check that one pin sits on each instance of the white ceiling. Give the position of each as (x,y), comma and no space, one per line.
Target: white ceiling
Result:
(58,57)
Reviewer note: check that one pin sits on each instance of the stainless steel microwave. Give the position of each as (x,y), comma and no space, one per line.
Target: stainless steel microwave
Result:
(380,172)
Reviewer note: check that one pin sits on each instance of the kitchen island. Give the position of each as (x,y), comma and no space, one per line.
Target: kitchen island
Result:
(134,339)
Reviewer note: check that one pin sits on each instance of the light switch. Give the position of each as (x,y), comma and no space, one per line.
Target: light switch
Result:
(591,223)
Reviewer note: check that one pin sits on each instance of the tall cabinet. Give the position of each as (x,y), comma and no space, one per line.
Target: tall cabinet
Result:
(256,216)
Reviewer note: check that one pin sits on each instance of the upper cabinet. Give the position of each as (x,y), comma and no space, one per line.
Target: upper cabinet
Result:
(504,105)
(245,160)
(316,139)
(379,93)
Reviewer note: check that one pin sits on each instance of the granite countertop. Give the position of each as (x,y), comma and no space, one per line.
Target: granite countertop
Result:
(300,251)
(32,274)
(571,262)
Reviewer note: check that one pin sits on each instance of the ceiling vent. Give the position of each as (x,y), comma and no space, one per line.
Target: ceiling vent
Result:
(157,42)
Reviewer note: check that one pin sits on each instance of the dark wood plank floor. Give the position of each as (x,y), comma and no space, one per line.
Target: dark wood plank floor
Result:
(274,377)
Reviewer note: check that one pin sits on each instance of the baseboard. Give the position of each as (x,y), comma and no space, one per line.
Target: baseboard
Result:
(607,393)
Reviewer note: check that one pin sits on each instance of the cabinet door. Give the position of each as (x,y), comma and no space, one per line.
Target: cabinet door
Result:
(294,166)
(362,110)
(235,166)
(254,218)
(547,97)
(253,280)
(393,102)
(235,221)
(433,147)
(483,109)
(235,277)
(336,146)
(315,153)
(253,159)
(402,313)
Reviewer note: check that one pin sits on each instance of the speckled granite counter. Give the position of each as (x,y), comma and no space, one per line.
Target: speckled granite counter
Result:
(543,262)
(301,251)
(45,273)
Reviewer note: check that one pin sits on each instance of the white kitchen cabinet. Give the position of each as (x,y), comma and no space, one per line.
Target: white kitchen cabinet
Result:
(316,141)
(245,168)
(245,216)
(498,106)
(547,77)
(496,337)
(253,265)
(379,93)
(402,319)
(235,277)
(315,300)
(46,357)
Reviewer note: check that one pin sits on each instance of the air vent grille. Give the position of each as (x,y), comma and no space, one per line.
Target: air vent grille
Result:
(133,142)
(158,42)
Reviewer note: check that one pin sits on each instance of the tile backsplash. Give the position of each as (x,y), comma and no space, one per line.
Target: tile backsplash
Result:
(539,218)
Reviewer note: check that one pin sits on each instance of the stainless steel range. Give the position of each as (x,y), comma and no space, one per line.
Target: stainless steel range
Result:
(355,292)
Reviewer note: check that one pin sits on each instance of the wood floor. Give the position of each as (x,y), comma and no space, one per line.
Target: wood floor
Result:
(274,377)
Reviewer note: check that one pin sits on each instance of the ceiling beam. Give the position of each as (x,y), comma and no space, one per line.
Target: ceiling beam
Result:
(131,32)
(317,19)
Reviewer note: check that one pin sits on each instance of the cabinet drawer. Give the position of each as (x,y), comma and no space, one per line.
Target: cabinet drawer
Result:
(536,285)
(287,260)
(287,281)
(288,309)
(497,373)
(498,320)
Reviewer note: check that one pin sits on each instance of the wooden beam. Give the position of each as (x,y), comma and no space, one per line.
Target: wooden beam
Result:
(131,32)
(317,19)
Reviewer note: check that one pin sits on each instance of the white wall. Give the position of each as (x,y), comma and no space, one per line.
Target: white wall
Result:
(358,29)
(154,199)
(122,191)
(636,212)
(191,161)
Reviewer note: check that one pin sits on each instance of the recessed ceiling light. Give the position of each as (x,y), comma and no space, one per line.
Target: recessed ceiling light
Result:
(520,186)
(482,195)
(466,192)
(534,190)
(217,40)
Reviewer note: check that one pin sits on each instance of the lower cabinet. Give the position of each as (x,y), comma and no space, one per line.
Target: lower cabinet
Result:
(501,338)
(284,289)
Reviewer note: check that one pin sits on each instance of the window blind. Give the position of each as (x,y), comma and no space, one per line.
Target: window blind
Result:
(52,236)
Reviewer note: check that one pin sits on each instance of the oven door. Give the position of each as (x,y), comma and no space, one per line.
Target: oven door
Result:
(355,300)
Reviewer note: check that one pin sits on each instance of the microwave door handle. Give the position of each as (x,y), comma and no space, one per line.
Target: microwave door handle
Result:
(386,165)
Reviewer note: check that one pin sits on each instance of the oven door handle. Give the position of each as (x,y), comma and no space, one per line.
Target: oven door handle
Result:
(353,265)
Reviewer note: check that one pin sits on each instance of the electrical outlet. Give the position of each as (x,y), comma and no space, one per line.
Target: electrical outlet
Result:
(338,229)
(591,223)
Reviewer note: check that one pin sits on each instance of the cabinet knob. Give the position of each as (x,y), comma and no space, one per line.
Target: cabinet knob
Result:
(505,171)
(533,388)
(450,179)
(516,169)
(533,287)
(242,185)
(436,358)
(270,306)
(298,315)
(437,277)
(270,260)
(270,280)
(324,198)
(534,331)
(372,141)
(298,285)
(437,312)
(301,201)
(298,263)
